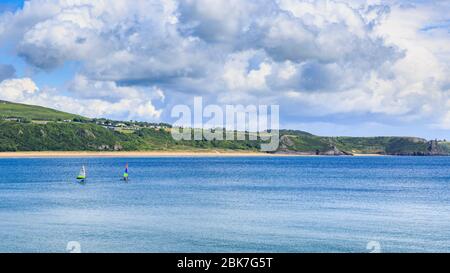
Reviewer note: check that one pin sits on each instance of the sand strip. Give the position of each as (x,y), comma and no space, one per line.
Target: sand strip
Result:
(56,154)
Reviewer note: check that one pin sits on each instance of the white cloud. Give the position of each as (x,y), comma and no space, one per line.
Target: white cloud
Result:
(83,87)
(412,89)
(17,89)
(240,77)
(24,90)
(315,58)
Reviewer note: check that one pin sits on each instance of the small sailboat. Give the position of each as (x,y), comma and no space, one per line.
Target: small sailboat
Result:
(125,173)
(82,176)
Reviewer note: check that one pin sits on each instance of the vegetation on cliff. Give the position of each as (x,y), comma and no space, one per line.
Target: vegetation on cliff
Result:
(34,128)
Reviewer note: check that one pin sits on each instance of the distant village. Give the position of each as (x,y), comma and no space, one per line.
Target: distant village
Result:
(121,126)
(129,125)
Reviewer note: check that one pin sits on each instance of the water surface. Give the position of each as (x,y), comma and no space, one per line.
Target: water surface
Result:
(214,204)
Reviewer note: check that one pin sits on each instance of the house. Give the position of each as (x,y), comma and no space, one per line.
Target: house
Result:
(12,119)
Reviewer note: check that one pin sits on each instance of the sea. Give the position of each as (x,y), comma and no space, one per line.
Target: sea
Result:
(226,204)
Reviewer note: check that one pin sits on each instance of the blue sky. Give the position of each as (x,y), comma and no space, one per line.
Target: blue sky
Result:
(10,5)
(356,67)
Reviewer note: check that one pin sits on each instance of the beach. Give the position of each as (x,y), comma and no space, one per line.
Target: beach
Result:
(212,153)
(53,154)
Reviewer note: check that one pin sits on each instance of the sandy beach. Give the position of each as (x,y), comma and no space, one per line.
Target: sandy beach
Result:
(50,154)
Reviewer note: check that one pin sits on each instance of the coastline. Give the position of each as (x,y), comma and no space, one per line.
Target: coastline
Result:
(213,153)
(62,154)
(369,155)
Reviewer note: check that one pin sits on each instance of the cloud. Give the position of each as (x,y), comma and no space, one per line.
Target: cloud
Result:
(17,89)
(240,75)
(157,41)
(314,58)
(218,23)
(24,90)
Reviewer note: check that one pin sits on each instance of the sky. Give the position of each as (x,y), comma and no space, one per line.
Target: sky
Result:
(335,67)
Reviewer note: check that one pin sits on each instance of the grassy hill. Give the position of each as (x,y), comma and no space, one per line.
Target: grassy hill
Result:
(86,135)
(32,112)
(307,143)
(55,137)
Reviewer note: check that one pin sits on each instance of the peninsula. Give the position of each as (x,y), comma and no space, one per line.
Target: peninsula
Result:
(27,130)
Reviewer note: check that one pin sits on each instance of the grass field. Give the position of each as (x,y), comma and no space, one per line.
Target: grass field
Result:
(32,112)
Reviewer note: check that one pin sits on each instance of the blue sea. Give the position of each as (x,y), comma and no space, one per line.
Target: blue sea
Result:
(227,204)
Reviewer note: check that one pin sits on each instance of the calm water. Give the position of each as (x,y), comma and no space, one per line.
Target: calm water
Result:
(286,204)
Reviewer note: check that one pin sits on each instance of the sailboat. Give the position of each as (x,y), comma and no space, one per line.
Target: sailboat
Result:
(82,176)
(125,173)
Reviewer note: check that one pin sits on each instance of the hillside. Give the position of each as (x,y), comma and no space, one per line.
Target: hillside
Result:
(302,143)
(68,132)
(32,112)
(54,136)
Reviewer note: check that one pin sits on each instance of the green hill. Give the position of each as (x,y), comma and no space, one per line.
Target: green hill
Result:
(55,136)
(304,143)
(32,112)
(67,132)
(74,136)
